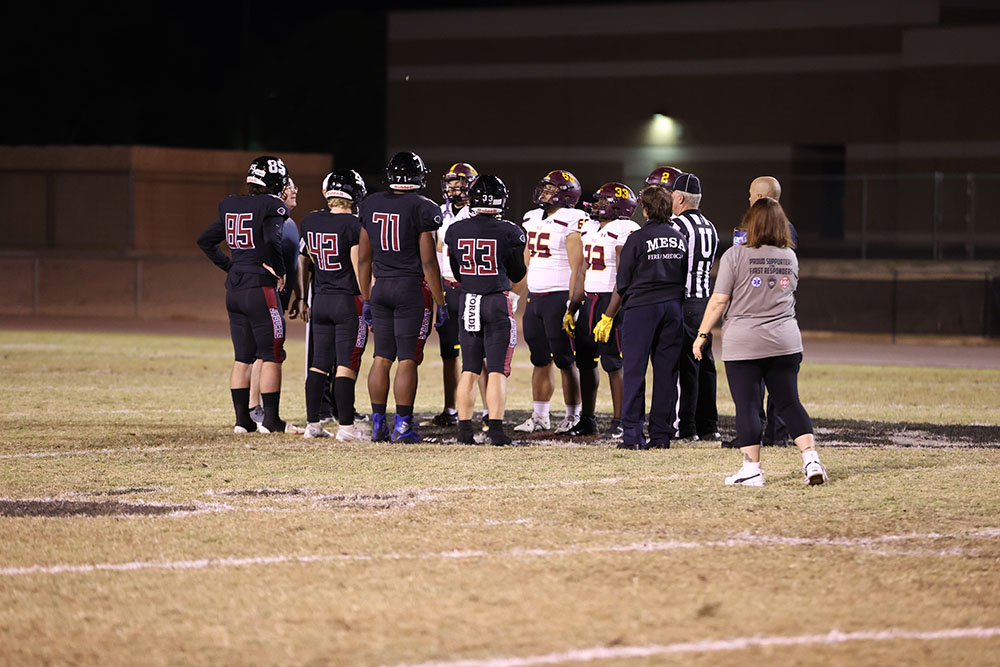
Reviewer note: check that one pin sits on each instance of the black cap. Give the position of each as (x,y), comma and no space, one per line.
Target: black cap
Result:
(688,183)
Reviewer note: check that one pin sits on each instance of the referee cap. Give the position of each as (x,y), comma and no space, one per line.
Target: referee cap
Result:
(688,183)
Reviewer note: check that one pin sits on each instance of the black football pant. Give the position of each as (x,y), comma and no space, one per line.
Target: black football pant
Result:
(698,414)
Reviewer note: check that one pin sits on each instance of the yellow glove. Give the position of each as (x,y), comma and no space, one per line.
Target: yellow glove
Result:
(569,324)
(602,330)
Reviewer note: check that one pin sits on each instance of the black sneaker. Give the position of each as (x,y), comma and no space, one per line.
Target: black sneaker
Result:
(445,419)
(586,426)
(615,431)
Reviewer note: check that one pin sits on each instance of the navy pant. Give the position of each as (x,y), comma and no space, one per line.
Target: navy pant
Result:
(650,332)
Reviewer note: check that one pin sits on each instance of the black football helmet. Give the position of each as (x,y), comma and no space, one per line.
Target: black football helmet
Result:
(345,184)
(465,174)
(567,190)
(268,172)
(488,195)
(406,171)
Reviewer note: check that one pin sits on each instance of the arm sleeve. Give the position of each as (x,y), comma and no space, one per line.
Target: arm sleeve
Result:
(514,264)
(724,281)
(209,241)
(272,241)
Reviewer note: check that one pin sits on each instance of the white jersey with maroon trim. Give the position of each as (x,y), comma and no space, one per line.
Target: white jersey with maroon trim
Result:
(599,256)
(548,270)
(447,218)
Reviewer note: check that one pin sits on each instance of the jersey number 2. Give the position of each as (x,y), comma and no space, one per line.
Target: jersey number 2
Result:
(239,233)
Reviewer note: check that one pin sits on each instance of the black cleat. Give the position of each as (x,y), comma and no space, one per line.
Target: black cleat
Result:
(586,426)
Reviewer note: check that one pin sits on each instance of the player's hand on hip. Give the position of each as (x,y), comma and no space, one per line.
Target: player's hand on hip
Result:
(569,324)
(442,316)
(602,330)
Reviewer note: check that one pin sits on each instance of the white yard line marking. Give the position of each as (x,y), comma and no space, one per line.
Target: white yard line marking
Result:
(712,645)
(740,540)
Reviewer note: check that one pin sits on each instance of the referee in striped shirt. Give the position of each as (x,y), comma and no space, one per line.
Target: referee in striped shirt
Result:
(698,417)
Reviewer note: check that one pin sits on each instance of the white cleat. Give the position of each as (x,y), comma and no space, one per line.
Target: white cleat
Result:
(290,429)
(240,430)
(567,423)
(746,478)
(535,422)
(316,431)
(352,432)
(814,473)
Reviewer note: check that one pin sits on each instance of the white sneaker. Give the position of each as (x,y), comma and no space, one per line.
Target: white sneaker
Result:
(349,433)
(745,478)
(814,473)
(240,430)
(535,422)
(290,429)
(567,423)
(316,431)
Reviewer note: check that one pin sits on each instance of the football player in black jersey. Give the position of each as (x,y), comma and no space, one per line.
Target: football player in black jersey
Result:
(339,334)
(486,253)
(399,250)
(251,225)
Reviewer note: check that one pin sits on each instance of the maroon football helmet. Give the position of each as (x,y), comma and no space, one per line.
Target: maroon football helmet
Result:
(612,201)
(568,190)
(459,171)
(664,177)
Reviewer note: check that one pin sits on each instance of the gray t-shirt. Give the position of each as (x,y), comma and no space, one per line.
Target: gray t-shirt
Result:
(759,321)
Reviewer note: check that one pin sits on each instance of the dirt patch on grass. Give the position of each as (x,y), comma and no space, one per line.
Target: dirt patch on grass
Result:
(125,492)
(829,433)
(72,508)
(380,501)
(264,493)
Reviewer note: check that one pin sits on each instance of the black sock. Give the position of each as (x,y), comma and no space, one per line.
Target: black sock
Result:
(378,408)
(315,386)
(495,434)
(404,410)
(272,422)
(343,389)
(241,398)
(465,432)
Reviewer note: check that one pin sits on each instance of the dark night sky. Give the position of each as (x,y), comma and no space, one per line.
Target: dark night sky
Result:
(285,76)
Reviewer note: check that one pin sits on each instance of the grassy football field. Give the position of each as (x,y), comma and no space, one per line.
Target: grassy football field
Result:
(135,528)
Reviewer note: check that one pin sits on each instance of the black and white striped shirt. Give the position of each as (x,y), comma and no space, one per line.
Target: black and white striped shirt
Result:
(702,242)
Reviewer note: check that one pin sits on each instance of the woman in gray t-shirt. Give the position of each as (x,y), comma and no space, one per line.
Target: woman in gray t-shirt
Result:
(755,296)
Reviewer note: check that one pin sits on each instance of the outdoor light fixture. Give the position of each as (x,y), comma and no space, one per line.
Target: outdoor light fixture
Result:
(662,129)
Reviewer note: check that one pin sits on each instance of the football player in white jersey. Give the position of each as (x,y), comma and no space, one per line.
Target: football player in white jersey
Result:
(554,255)
(593,292)
(455,184)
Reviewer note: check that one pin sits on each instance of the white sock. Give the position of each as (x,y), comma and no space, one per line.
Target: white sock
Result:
(753,467)
(810,457)
(451,411)
(316,424)
(574,410)
(541,408)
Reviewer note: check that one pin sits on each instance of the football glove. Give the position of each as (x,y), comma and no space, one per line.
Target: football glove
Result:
(366,313)
(513,297)
(602,330)
(442,316)
(569,324)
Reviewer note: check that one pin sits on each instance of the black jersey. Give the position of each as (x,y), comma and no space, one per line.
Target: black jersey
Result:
(653,265)
(251,227)
(486,253)
(395,222)
(328,239)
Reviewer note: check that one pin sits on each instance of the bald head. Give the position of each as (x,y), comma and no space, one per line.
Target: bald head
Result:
(765,186)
